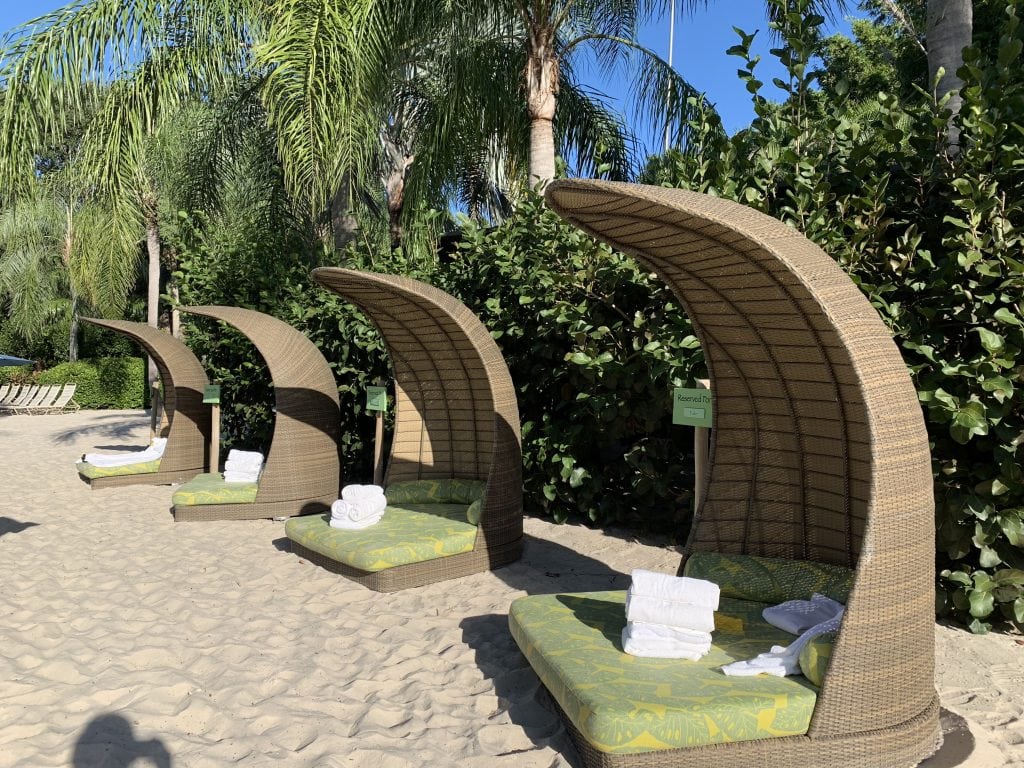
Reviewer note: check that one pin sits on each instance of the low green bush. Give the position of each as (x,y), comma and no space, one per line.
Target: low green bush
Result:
(109,382)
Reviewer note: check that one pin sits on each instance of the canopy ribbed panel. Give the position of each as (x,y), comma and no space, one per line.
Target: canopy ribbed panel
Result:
(456,413)
(819,446)
(183,380)
(302,462)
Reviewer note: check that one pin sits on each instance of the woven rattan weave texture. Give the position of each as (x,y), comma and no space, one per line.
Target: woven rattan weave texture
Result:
(456,413)
(182,379)
(302,471)
(819,453)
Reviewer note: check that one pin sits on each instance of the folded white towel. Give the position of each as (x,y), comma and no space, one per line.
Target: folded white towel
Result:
(660,632)
(782,660)
(348,517)
(241,477)
(681,589)
(797,616)
(671,613)
(154,451)
(640,643)
(243,456)
(234,465)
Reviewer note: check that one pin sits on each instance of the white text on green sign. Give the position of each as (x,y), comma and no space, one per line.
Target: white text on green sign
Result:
(211,394)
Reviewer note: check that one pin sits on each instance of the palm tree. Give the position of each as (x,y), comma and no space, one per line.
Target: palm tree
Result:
(950,28)
(546,42)
(58,255)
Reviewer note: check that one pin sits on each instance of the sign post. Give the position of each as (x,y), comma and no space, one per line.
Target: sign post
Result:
(377,402)
(211,395)
(692,407)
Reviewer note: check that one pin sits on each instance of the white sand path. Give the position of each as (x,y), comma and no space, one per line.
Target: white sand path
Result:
(123,634)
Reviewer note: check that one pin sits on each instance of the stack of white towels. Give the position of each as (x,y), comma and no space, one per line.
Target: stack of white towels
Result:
(806,618)
(243,466)
(152,452)
(360,506)
(669,617)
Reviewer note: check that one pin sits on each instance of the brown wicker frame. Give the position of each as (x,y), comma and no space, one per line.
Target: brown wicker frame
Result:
(183,380)
(302,469)
(456,415)
(819,453)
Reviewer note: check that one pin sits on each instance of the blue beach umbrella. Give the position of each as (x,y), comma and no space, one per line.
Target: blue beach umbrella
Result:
(12,360)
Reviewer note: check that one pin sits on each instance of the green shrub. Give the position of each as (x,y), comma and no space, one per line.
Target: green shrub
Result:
(110,382)
(594,346)
(935,242)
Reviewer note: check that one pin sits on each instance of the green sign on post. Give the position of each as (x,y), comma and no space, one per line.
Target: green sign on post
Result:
(211,394)
(376,398)
(691,407)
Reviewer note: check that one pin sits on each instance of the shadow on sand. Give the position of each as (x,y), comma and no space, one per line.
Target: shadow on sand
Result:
(109,742)
(10,525)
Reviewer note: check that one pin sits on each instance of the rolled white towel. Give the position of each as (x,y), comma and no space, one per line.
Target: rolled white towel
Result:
(640,643)
(652,610)
(797,616)
(369,498)
(681,589)
(241,477)
(342,517)
(354,511)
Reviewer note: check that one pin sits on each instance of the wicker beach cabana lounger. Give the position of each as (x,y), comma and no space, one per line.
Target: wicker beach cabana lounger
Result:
(301,472)
(454,479)
(183,379)
(819,480)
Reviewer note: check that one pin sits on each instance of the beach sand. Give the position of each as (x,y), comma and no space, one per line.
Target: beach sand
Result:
(126,635)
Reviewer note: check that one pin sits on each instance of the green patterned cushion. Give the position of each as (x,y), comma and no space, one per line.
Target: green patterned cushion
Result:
(412,533)
(210,488)
(443,491)
(624,704)
(473,511)
(85,469)
(815,657)
(770,579)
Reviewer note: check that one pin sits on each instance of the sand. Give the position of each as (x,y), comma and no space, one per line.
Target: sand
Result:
(125,635)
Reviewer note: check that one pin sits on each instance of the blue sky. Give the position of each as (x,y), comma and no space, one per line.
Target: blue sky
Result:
(701,39)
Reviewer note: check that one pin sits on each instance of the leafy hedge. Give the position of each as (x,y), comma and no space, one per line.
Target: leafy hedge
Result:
(109,382)
(935,242)
(594,346)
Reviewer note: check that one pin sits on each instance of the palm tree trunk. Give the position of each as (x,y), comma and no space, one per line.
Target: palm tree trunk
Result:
(541,101)
(950,26)
(344,225)
(400,161)
(73,333)
(152,294)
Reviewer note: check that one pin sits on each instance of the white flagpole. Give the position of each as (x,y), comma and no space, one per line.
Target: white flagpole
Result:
(671,43)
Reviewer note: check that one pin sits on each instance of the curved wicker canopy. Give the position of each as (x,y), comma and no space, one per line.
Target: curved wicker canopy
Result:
(819,446)
(183,380)
(456,413)
(301,473)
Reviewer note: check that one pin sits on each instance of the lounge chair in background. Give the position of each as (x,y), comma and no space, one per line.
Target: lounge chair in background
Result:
(38,395)
(819,480)
(301,472)
(454,479)
(183,380)
(61,402)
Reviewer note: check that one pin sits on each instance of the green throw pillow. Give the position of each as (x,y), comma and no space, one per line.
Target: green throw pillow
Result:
(771,580)
(451,490)
(473,512)
(815,657)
